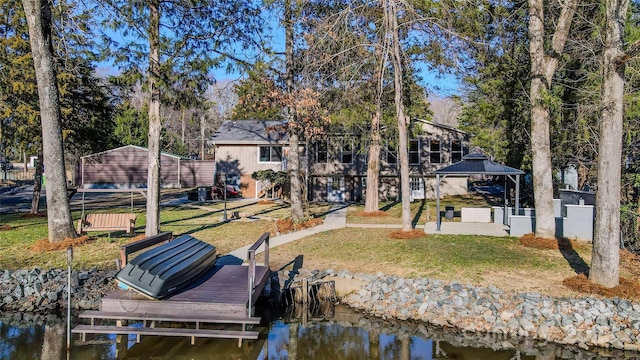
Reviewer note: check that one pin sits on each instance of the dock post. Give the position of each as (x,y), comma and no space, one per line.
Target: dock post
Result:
(305,291)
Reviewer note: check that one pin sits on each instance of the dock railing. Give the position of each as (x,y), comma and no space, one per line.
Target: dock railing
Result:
(251,255)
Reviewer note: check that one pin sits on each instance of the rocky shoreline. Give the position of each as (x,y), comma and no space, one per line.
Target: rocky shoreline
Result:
(584,322)
(45,291)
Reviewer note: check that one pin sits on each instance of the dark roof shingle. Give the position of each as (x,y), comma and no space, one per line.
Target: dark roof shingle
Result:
(251,132)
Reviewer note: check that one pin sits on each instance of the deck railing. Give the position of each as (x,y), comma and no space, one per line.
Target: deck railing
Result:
(251,255)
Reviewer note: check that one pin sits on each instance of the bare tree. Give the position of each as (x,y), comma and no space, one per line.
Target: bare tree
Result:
(391,23)
(155,125)
(605,263)
(297,209)
(543,66)
(39,20)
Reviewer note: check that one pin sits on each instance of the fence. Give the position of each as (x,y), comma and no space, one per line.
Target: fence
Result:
(17,175)
(630,231)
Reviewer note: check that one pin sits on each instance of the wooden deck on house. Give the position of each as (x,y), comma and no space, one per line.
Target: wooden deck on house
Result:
(220,296)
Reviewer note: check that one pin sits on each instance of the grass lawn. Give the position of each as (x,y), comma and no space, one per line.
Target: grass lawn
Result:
(421,211)
(479,260)
(204,223)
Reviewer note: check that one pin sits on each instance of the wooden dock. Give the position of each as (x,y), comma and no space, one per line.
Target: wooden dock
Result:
(224,295)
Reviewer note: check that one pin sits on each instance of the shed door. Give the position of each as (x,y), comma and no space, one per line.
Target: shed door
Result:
(417,188)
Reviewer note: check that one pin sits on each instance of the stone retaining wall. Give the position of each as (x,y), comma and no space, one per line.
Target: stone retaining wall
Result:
(585,322)
(45,291)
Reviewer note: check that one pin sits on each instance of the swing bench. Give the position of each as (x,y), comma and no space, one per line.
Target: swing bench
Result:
(107,221)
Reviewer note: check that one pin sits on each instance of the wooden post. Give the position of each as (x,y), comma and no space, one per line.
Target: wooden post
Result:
(305,291)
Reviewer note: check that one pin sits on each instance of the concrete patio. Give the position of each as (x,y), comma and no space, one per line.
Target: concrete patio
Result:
(467,228)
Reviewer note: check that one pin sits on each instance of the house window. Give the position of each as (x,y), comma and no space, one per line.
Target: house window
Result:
(392,155)
(270,153)
(322,151)
(434,152)
(346,153)
(456,151)
(416,184)
(414,152)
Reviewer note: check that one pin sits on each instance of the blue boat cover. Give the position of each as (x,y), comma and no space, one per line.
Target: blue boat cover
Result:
(163,270)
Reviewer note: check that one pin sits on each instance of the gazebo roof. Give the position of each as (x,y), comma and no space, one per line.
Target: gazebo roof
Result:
(478,163)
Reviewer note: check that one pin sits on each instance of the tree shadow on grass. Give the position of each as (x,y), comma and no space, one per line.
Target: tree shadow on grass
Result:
(573,258)
(414,222)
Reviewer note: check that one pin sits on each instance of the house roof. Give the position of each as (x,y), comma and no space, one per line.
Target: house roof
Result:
(121,148)
(478,163)
(440,125)
(250,132)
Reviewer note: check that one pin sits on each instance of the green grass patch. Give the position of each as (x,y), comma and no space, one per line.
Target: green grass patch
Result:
(440,256)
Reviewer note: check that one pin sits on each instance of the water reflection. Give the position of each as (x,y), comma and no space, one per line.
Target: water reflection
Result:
(326,334)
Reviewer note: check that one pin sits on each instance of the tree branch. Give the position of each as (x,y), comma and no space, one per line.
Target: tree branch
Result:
(632,51)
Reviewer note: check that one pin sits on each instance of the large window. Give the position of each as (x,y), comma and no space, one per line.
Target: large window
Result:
(321,151)
(414,152)
(435,154)
(346,153)
(456,151)
(270,153)
(391,154)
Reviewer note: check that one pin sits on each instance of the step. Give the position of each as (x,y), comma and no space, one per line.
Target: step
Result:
(112,315)
(197,333)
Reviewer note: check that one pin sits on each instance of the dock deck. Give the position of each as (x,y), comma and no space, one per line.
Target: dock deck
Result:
(224,289)
(226,294)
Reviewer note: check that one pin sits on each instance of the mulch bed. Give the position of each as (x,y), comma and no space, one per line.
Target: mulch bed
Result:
(5,227)
(43,245)
(31,215)
(413,234)
(266,202)
(530,240)
(286,225)
(628,289)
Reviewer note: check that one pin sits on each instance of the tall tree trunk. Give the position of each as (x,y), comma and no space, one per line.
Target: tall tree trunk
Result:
(297,210)
(155,126)
(391,13)
(543,67)
(373,165)
(605,258)
(37,185)
(39,20)
(373,162)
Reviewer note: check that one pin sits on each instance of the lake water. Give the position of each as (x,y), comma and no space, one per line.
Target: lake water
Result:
(327,333)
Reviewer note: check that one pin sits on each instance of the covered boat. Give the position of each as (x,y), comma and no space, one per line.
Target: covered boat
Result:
(161,271)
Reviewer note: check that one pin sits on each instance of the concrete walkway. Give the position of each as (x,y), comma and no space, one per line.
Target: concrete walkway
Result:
(335,219)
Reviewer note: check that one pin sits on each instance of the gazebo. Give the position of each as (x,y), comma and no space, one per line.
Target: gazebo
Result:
(476,163)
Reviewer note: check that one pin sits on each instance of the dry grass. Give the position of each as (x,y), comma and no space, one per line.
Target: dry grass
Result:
(413,234)
(5,227)
(371,214)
